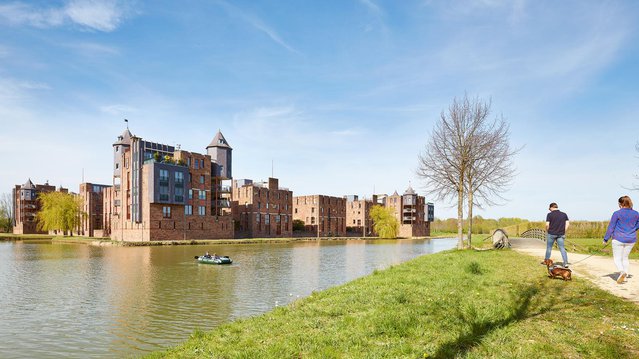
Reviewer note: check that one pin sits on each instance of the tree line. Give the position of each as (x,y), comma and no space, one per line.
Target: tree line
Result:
(577,229)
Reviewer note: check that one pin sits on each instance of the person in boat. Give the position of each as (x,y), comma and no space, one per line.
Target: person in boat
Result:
(215,256)
(207,255)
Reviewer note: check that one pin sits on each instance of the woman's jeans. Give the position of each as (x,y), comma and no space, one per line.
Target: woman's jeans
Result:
(550,240)
(620,252)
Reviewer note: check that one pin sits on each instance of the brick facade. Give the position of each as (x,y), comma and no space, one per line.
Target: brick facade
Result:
(358,220)
(26,206)
(262,209)
(163,193)
(92,199)
(329,212)
(412,212)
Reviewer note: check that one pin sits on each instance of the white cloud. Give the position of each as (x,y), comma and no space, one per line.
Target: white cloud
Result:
(98,15)
(258,24)
(101,15)
(92,48)
(118,110)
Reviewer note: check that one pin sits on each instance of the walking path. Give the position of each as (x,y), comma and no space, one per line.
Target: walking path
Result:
(600,270)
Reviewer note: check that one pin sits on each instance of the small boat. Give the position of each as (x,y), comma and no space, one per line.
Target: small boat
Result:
(214,260)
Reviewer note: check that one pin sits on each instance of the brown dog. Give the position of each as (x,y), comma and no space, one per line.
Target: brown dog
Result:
(557,271)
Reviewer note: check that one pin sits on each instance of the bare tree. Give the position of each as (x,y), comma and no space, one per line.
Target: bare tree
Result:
(491,169)
(467,157)
(446,158)
(6,212)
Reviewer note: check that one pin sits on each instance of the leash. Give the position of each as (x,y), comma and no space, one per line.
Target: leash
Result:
(583,259)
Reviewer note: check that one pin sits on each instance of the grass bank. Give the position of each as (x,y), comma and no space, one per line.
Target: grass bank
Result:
(452,304)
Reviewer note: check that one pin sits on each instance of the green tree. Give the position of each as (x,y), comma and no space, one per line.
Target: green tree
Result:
(298,225)
(385,223)
(6,213)
(60,211)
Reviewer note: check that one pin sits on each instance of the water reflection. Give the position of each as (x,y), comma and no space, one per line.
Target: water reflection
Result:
(79,301)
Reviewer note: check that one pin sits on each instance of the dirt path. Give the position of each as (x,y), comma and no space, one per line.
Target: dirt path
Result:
(600,270)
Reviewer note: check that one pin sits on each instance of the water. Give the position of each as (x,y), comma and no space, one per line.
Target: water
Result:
(78,301)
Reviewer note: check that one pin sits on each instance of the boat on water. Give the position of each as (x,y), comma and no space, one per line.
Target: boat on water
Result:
(214,259)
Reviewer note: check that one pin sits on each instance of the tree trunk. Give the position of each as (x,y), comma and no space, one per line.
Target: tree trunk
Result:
(470,218)
(460,217)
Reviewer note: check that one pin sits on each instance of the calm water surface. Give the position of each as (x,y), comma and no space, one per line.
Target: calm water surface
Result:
(79,301)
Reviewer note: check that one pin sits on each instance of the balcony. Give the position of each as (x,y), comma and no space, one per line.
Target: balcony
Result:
(116,203)
(224,189)
(222,204)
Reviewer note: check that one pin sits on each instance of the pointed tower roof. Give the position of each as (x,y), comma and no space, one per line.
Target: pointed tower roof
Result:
(395,193)
(410,190)
(28,185)
(124,138)
(219,141)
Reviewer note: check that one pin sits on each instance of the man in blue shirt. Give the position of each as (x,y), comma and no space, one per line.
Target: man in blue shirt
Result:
(556,225)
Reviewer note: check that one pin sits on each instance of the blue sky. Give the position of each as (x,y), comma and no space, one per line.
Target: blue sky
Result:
(340,95)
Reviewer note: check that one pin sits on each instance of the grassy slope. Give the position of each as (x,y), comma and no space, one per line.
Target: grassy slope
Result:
(464,304)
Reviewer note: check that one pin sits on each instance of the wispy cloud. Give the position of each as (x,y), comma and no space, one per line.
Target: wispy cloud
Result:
(378,15)
(92,49)
(118,110)
(259,24)
(101,15)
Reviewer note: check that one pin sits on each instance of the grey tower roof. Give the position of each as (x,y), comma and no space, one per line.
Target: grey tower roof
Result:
(28,185)
(410,190)
(219,141)
(124,138)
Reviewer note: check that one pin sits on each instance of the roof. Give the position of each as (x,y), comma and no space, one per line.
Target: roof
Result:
(28,185)
(410,190)
(219,141)
(124,138)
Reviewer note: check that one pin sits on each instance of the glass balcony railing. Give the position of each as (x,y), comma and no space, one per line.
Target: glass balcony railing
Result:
(223,204)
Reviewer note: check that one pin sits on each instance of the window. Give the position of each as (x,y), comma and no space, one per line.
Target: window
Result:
(117,165)
(179,178)
(201,178)
(277,218)
(202,195)
(295,210)
(166,212)
(179,194)
(201,210)
(312,209)
(164,193)
(257,217)
(164,175)
(286,219)
(190,194)
(267,219)
(188,210)
(196,164)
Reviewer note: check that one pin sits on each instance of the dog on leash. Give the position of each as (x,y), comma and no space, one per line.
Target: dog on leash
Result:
(557,271)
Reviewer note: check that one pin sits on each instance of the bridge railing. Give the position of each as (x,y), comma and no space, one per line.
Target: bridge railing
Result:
(517,230)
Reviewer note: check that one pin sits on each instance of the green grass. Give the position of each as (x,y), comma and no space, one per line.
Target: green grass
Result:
(595,246)
(11,236)
(454,304)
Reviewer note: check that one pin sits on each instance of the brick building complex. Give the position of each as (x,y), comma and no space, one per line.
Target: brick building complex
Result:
(411,210)
(163,193)
(92,199)
(26,205)
(262,209)
(327,212)
(358,219)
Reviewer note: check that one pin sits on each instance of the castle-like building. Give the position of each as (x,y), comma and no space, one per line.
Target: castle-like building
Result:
(161,192)
(164,193)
